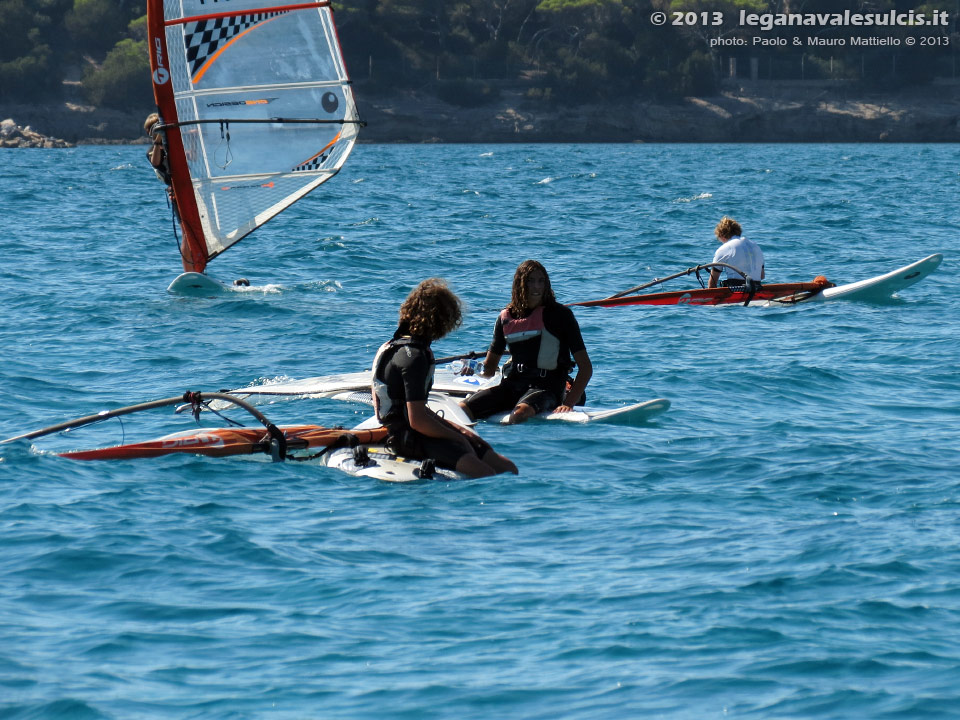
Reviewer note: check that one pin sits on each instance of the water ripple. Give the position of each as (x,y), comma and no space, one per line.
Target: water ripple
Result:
(781,543)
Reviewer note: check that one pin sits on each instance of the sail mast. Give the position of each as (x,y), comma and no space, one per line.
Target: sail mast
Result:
(193,249)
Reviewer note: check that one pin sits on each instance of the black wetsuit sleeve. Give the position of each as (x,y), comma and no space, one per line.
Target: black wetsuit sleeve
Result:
(570,329)
(414,368)
(499,344)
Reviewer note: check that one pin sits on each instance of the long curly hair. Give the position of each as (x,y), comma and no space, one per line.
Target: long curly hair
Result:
(519,303)
(431,310)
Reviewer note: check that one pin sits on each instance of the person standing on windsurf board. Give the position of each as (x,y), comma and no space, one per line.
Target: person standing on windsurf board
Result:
(402,378)
(542,335)
(157,153)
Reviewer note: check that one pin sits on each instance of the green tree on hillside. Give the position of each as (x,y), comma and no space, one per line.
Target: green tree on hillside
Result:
(122,81)
(569,50)
(95,26)
(29,67)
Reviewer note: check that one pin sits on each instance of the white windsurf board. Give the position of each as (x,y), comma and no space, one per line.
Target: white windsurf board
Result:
(877,289)
(324,386)
(449,407)
(447,380)
(442,404)
(194,284)
(627,415)
(379,463)
(321,386)
(885,286)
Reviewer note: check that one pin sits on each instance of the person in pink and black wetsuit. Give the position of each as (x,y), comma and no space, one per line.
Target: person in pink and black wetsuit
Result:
(541,335)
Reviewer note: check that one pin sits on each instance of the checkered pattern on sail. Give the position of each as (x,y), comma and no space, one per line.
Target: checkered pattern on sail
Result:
(313,163)
(204,37)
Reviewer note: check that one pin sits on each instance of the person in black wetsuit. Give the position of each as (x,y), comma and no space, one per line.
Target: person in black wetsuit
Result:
(541,335)
(403,376)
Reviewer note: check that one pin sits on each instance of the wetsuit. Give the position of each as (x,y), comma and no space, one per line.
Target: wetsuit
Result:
(402,373)
(541,345)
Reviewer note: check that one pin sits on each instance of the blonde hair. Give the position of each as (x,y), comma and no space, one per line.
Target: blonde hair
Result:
(727,228)
(152,119)
(431,310)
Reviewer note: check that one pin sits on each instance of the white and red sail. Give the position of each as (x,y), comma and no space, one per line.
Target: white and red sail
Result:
(258,111)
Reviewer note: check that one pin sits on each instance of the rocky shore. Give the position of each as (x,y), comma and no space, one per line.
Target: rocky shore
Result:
(77,124)
(742,112)
(16,136)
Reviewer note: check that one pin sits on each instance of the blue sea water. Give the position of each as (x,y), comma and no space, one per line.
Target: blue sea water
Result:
(783,543)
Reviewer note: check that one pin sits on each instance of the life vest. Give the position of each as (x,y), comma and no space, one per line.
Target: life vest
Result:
(391,409)
(532,327)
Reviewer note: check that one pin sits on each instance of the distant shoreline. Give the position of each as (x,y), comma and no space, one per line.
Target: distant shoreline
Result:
(744,112)
(759,111)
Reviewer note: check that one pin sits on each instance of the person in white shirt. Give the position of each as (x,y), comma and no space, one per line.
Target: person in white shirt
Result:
(735,250)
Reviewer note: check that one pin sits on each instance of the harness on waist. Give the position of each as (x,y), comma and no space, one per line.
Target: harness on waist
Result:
(749,285)
(513,370)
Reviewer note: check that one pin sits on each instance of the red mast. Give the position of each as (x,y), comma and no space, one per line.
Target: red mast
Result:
(193,249)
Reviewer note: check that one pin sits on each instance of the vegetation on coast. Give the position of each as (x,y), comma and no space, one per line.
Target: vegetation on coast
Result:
(566,51)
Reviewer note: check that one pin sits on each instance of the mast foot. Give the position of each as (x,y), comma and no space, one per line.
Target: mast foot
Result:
(194,283)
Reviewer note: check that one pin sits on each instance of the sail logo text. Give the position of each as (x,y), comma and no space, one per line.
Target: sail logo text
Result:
(161,74)
(234,103)
(688,299)
(224,188)
(198,440)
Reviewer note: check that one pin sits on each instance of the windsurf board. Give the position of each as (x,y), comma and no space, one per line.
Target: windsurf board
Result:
(376,461)
(627,415)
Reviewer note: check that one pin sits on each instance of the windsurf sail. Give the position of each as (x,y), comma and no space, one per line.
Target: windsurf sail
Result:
(284,442)
(878,288)
(257,110)
(786,293)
